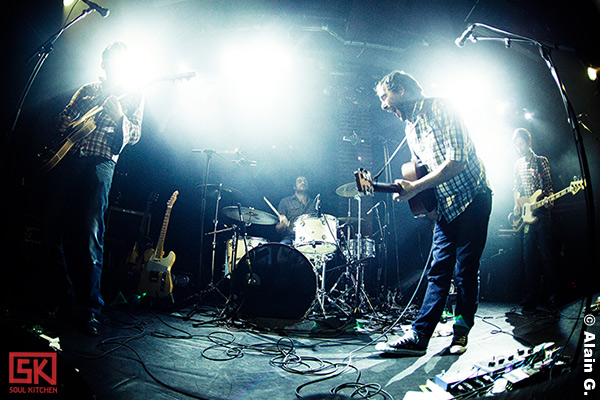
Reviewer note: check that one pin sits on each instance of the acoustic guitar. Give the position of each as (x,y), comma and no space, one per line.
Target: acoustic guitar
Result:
(422,205)
(155,279)
(82,127)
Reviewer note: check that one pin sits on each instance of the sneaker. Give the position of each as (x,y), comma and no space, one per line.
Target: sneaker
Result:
(458,345)
(406,346)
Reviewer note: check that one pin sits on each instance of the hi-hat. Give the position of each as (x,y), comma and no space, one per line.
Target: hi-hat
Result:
(347,190)
(250,215)
(212,190)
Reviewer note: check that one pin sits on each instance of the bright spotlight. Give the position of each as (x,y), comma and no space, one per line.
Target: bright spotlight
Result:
(527,115)
(67,3)
(593,73)
(258,72)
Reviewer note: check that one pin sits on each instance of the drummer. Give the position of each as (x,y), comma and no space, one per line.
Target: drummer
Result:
(292,207)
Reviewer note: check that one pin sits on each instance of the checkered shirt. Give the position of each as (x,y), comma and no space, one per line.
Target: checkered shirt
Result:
(109,138)
(529,178)
(437,133)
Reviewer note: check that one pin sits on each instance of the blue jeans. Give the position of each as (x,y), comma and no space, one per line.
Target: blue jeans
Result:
(456,249)
(76,198)
(538,260)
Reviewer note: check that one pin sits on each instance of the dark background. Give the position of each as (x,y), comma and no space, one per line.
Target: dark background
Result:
(342,49)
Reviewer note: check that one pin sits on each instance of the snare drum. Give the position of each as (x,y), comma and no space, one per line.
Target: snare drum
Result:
(367,248)
(316,235)
(230,261)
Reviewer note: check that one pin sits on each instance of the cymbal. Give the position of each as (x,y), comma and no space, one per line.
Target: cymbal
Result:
(347,190)
(250,215)
(212,190)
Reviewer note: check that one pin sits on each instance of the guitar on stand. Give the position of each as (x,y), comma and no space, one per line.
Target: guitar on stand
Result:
(528,205)
(155,279)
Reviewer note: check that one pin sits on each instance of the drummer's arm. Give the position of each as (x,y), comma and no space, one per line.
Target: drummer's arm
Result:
(283,223)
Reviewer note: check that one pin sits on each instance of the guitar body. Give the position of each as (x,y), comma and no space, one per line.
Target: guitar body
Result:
(526,204)
(156,280)
(424,203)
(51,155)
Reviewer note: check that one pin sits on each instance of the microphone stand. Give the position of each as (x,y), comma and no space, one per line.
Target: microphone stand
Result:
(545,50)
(42,53)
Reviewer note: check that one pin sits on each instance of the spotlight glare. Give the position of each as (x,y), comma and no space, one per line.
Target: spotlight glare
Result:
(528,115)
(592,73)
(67,3)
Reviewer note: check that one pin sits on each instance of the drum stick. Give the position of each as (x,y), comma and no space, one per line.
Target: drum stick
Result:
(272,208)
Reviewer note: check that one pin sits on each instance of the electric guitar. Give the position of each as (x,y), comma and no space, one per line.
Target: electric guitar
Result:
(530,204)
(133,259)
(82,127)
(155,279)
(421,205)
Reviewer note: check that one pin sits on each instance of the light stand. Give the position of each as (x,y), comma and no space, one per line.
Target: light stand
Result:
(544,49)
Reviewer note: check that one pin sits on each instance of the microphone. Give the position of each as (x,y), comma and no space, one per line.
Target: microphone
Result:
(101,10)
(468,33)
(374,207)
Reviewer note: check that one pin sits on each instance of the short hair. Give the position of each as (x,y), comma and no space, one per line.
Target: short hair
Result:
(523,134)
(113,49)
(396,80)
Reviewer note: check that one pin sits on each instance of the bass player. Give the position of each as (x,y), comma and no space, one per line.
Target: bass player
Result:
(532,172)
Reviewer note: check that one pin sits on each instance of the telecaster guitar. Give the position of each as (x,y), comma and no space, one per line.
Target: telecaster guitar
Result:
(81,128)
(155,279)
(421,205)
(530,204)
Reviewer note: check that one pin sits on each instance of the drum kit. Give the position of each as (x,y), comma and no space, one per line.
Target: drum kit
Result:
(278,281)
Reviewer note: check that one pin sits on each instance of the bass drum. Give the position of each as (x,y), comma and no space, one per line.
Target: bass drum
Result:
(274,281)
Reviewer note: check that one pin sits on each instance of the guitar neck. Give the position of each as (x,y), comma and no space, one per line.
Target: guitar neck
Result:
(386,187)
(160,245)
(553,197)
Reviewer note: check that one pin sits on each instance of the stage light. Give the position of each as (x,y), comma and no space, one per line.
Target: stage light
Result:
(527,115)
(593,73)
(67,3)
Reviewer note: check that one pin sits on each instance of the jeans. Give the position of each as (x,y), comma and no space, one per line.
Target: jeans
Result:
(75,201)
(538,261)
(456,249)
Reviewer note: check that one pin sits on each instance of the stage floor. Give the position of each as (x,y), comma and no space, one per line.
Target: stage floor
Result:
(152,353)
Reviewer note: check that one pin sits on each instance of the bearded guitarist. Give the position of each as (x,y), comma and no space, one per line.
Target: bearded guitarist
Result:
(76,189)
(532,173)
(438,138)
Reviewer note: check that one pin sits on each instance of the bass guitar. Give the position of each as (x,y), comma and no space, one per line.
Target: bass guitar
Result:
(82,127)
(421,205)
(528,205)
(155,279)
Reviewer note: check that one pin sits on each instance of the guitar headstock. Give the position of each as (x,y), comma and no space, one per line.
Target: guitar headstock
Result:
(172,199)
(364,182)
(576,186)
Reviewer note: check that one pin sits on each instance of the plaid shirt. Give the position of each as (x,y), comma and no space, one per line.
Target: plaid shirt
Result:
(529,178)
(437,133)
(109,138)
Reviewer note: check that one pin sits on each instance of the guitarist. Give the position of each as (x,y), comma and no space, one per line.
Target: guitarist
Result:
(76,191)
(438,138)
(532,172)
